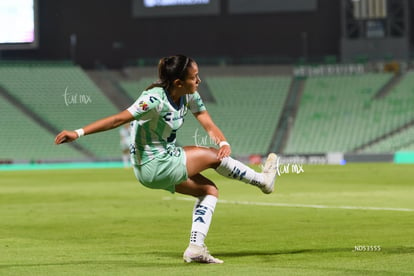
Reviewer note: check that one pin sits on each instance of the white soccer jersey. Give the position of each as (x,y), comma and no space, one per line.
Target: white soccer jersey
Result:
(157,120)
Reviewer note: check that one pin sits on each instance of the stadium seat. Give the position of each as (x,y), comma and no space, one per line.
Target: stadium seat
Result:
(338,113)
(64,96)
(25,140)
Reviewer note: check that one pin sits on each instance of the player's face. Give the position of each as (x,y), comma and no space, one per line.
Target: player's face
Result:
(192,80)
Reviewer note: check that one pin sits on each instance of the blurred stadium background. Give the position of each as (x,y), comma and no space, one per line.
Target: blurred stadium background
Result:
(319,81)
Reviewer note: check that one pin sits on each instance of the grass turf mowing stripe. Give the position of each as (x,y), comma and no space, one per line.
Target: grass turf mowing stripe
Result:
(299,205)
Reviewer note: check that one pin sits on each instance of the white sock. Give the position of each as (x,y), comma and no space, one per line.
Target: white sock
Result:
(202,214)
(232,168)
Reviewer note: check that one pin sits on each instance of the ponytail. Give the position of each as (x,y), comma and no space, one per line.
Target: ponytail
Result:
(170,69)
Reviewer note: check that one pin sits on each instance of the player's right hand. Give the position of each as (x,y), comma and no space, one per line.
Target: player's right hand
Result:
(66,136)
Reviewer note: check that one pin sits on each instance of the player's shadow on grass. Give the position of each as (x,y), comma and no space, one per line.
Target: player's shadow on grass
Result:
(134,262)
(279,252)
(246,253)
(394,250)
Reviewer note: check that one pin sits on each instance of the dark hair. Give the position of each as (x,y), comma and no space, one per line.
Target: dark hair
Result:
(170,69)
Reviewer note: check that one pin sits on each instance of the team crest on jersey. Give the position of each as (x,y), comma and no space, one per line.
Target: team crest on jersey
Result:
(143,105)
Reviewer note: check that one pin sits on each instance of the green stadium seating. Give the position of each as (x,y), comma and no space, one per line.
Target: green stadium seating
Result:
(401,141)
(134,88)
(335,113)
(23,139)
(398,108)
(66,98)
(338,113)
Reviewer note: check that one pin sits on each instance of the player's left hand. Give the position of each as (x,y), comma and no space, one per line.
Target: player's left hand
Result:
(66,136)
(224,151)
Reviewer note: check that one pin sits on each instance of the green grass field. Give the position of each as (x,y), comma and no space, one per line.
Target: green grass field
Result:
(103,222)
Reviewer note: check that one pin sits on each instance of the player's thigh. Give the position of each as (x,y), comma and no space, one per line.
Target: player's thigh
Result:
(199,159)
(197,185)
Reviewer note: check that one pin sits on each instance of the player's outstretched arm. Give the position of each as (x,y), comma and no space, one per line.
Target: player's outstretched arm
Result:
(214,132)
(104,124)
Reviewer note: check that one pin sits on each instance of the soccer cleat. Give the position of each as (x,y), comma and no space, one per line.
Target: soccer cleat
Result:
(199,254)
(269,171)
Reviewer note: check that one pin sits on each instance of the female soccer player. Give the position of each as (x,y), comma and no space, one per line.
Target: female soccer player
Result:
(159,164)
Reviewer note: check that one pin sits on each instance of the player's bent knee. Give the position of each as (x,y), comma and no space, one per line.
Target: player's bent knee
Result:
(213,157)
(212,190)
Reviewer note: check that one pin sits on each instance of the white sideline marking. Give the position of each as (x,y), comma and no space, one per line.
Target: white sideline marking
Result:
(298,205)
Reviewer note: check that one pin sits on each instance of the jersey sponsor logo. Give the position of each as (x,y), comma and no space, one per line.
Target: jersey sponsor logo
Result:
(172,136)
(143,105)
(168,117)
(132,149)
(152,99)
